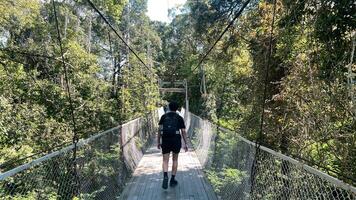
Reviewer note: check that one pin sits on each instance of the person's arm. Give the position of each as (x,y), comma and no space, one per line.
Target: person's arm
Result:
(159,132)
(184,134)
(159,136)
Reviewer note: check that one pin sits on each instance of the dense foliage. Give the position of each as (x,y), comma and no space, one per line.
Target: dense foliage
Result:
(108,85)
(308,113)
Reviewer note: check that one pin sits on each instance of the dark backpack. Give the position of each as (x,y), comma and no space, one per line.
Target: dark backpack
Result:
(170,124)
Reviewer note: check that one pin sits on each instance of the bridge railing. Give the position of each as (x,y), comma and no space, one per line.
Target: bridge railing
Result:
(104,163)
(237,170)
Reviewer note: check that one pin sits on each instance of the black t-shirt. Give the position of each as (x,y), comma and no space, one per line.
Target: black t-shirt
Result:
(181,124)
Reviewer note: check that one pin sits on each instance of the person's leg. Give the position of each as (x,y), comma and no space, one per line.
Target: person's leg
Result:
(165,170)
(175,163)
(173,181)
(165,162)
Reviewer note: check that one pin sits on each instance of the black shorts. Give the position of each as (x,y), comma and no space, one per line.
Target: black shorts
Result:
(171,145)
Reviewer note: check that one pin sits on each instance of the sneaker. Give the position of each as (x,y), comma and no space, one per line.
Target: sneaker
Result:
(165,183)
(173,183)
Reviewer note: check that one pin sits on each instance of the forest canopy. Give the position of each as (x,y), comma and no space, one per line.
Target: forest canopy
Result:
(307,97)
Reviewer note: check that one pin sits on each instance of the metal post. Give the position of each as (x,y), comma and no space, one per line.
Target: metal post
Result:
(351,76)
(186,98)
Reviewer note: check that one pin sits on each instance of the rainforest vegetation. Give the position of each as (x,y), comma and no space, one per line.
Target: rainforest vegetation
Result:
(297,74)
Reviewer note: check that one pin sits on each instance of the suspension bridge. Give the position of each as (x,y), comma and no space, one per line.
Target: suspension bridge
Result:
(123,162)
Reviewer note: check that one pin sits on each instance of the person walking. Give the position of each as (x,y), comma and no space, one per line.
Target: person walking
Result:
(171,130)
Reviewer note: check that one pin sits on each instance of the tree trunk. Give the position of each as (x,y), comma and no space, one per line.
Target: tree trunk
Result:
(114,67)
(65,25)
(89,33)
(127,35)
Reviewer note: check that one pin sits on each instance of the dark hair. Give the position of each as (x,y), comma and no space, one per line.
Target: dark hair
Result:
(173,106)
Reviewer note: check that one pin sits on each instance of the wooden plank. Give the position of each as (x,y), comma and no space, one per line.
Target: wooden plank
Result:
(152,187)
(180,185)
(194,164)
(184,181)
(153,182)
(146,172)
(147,181)
(131,189)
(190,186)
(206,187)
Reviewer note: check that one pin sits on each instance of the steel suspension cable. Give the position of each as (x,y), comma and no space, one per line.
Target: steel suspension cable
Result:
(69,97)
(268,63)
(264,97)
(118,35)
(238,14)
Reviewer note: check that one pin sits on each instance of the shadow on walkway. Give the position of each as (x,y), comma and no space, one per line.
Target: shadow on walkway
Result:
(147,179)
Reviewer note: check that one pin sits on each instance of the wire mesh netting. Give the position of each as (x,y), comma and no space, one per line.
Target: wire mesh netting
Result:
(238,170)
(74,72)
(104,163)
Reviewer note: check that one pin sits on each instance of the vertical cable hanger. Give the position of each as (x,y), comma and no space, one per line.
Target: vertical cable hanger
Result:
(268,63)
(203,81)
(351,76)
(69,98)
(264,98)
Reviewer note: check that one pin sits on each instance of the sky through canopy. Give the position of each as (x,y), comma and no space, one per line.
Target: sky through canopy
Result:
(158,9)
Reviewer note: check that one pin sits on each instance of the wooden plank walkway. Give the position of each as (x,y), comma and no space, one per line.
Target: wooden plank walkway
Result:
(146,183)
